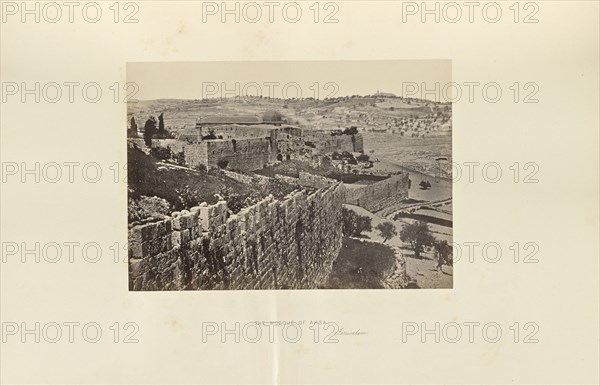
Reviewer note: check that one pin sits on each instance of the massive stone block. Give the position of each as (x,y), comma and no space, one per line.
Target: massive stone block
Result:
(273,244)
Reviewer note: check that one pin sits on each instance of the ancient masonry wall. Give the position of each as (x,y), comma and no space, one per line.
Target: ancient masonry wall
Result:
(249,154)
(175,145)
(272,245)
(251,131)
(327,143)
(244,178)
(244,154)
(195,154)
(314,181)
(379,195)
(239,131)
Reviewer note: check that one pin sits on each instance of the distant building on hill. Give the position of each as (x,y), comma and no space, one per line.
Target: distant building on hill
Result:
(218,123)
(384,95)
(218,120)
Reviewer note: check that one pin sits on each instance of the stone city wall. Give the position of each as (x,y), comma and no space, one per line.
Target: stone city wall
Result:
(243,154)
(314,181)
(379,195)
(327,143)
(286,244)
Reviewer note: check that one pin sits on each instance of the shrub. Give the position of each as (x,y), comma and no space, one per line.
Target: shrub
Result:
(147,207)
(425,185)
(180,158)
(278,188)
(236,201)
(350,131)
(187,197)
(161,153)
(223,163)
(363,158)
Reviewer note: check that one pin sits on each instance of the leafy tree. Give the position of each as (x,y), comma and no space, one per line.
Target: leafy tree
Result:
(424,185)
(443,251)
(418,236)
(149,131)
(354,224)
(387,230)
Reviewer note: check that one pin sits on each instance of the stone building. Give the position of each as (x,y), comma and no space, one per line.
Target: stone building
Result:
(217,120)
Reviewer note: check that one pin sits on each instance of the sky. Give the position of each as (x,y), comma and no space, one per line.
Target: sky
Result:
(318,79)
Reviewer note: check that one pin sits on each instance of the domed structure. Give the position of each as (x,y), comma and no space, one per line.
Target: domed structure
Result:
(271,116)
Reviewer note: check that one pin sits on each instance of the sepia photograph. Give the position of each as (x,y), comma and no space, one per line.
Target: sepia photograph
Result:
(300,178)
(299,192)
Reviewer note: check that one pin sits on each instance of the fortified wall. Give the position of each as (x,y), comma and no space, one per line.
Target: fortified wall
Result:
(374,197)
(176,145)
(286,244)
(244,154)
(327,143)
(257,146)
(239,131)
(230,131)
(379,195)
(314,181)
(308,180)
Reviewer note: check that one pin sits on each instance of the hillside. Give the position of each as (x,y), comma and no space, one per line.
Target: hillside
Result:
(406,117)
(150,177)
